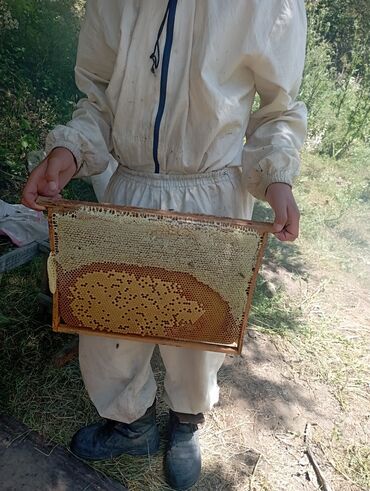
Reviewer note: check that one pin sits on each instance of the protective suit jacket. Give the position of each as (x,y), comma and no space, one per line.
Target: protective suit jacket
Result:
(170,87)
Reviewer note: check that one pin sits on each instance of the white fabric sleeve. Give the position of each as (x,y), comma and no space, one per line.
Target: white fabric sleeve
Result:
(276,131)
(88,134)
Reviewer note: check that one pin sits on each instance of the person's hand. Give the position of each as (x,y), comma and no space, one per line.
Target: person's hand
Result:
(281,199)
(49,177)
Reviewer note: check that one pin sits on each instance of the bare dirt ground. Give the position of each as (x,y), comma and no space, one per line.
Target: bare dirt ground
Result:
(269,395)
(313,377)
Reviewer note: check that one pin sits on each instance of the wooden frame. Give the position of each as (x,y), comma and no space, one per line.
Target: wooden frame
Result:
(260,227)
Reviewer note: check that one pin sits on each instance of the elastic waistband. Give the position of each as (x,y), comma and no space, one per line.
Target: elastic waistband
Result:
(179,180)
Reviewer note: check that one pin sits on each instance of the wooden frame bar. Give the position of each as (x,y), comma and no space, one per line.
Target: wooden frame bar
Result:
(57,205)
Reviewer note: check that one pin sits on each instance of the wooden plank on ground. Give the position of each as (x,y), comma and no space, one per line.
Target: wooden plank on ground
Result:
(28,463)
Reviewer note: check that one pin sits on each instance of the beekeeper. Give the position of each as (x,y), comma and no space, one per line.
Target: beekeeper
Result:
(169,92)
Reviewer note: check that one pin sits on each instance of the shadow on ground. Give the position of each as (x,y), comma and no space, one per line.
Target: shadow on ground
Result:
(259,382)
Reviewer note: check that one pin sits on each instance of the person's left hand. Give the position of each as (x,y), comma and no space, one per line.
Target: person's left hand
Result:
(280,197)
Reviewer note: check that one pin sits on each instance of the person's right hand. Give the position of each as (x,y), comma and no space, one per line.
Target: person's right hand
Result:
(49,177)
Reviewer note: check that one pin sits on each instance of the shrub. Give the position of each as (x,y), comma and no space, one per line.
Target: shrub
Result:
(37,50)
(336,85)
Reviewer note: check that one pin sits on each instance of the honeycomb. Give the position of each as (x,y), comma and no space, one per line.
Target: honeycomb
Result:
(129,272)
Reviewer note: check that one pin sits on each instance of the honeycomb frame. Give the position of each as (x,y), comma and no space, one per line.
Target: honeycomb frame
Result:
(111,294)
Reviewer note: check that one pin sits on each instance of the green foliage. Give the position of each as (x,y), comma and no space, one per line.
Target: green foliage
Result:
(336,86)
(345,24)
(37,50)
(42,48)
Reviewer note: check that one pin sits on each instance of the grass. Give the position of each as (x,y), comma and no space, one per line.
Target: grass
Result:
(350,459)
(325,320)
(310,304)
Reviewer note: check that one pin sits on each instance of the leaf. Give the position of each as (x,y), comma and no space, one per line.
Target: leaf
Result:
(24,144)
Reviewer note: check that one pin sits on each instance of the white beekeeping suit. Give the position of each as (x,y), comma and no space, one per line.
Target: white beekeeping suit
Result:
(100,182)
(175,121)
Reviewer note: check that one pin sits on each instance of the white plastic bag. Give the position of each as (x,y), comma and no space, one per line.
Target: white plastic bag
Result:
(21,224)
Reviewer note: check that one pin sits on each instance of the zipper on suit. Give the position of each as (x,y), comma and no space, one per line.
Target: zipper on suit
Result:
(172,4)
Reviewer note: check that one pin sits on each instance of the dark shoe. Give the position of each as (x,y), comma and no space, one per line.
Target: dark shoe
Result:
(182,460)
(108,439)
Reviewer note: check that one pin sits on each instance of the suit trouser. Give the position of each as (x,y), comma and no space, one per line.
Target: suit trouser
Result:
(117,373)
